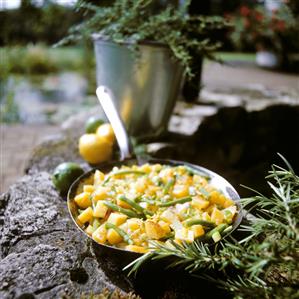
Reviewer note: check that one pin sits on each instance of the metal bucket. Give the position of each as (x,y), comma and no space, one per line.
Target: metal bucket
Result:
(145,87)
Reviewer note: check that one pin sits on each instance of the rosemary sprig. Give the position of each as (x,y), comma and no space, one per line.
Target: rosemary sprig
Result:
(265,261)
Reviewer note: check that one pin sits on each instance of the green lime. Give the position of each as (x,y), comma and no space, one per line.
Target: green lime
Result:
(64,175)
(92,124)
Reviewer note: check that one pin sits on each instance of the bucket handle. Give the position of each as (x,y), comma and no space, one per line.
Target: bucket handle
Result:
(105,97)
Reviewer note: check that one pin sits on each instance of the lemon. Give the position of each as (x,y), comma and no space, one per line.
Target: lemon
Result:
(94,149)
(64,175)
(106,132)
(92,124)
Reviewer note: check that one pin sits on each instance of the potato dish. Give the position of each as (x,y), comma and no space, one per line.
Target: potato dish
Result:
(132,205)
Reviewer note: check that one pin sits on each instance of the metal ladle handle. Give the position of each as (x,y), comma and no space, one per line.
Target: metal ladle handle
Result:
(105,98)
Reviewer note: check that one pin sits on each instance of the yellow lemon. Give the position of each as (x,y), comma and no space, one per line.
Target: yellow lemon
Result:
(94,149)
(106,132)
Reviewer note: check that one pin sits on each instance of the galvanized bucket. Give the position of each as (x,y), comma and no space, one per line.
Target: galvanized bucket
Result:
(145,86)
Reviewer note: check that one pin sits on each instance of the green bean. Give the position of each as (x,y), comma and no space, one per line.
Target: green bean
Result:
(116,208)
(148,200)
(124,172)
(168,185)
(192,171)
(214,233)
(174,202)
(134,205)
(201,222)
(96,223)
(228,229)
(121,232)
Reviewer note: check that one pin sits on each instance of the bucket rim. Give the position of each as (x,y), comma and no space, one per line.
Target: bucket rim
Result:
(100,37)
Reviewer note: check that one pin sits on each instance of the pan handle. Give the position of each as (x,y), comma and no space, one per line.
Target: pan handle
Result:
(105,98)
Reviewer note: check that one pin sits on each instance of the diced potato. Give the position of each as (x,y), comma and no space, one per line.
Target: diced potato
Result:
(83,200)
(217,198)
(184,234)
(101,193)
(136,248)
(154,230)
(217,216)
(206,216)
(156,167)
(113,237)
(100,234)
(100,210)
(146,168)
(98,177)
(117,218)
(165,226)
(134,223)
(198,180)
(124,227)
(197,230)
(88,188)
(89,230)
(180,191)
(86,215)
(168,216)
(199,203)
(228,202)
(141,185)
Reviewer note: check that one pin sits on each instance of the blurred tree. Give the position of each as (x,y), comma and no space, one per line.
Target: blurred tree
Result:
(31,23)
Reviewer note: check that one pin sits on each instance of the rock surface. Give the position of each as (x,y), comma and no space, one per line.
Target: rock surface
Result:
(43,255)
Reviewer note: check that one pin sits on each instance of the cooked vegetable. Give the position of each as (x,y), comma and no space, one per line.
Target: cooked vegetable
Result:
(174,202)
(132,205)
(120,232)
(127,212)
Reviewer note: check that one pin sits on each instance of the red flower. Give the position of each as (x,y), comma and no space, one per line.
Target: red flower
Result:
(280,26)
(244,10)
(259,16)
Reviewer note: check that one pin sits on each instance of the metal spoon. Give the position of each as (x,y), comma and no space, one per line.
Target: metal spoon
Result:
(105,98)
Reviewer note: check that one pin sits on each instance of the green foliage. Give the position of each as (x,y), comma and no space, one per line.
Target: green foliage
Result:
(31,23)
(9,110)
(264,264)
(134,21)
(39,59)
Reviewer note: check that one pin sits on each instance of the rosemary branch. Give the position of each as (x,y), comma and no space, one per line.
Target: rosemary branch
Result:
(269,250)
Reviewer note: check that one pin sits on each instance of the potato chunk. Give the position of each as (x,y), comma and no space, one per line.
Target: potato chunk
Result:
(197,230)
(154,230)
(199,203)
(136,248)
(113,237)
(83,200)
(100,234)
(100,210)
(101,193)
(180,191)
(117,218)
(217,216)
(86,215)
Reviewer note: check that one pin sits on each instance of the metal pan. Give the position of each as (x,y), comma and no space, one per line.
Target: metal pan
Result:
(118,256)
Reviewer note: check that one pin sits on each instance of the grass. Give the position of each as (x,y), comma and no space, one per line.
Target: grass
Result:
(39,59)
(236,56)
